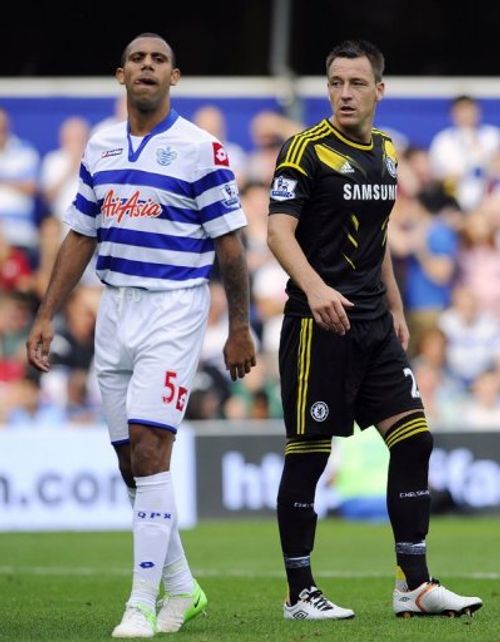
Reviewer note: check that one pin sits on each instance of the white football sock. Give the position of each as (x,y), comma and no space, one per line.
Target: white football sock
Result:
(154,518)
(177,577)
(131,495)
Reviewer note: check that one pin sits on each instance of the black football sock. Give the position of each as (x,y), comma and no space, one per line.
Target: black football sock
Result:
(408,499)
(305,461)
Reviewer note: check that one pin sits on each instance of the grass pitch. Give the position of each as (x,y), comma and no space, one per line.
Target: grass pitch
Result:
(72,586)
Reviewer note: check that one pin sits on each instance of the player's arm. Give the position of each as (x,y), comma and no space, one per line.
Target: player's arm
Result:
(394,300)
(72,258)
(239,350)
(327,305)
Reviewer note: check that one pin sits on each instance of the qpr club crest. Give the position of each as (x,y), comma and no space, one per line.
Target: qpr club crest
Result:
(319,411)
(165,156)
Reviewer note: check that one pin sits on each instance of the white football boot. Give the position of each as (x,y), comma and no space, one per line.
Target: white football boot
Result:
(313,605)
(430,598)
(176,610)
(137,622)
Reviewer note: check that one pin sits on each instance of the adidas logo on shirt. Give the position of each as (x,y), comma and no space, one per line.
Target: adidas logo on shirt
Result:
(347,168)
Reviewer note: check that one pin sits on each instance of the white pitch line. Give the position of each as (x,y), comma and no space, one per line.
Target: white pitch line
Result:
(206,572)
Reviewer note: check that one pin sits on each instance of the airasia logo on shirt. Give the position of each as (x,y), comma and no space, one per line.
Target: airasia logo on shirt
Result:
(133,206)
(220,155)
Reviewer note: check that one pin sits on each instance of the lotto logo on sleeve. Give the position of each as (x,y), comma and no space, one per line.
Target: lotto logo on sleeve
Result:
(220,156)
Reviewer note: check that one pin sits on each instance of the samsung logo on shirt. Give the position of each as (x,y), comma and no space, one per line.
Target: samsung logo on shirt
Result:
(369,192)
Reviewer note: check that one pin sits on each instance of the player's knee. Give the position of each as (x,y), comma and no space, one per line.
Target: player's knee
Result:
(150,451)
(125,464)
(409,439)
(304,464)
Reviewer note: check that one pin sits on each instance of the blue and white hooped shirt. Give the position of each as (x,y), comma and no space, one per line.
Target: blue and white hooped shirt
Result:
(155,209)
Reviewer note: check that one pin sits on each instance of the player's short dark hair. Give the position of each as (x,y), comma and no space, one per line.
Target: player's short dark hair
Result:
(145,34)
(463,99)
(358,49)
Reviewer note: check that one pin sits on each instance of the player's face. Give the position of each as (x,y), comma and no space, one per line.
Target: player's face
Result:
(148,72)
(354,94)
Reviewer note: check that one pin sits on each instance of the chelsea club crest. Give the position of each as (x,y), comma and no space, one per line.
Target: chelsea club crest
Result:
(391,166)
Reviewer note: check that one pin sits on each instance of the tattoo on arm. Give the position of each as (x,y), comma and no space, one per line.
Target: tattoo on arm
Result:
(234,273)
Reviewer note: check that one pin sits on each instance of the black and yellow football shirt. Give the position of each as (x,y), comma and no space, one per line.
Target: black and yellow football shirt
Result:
(342,193)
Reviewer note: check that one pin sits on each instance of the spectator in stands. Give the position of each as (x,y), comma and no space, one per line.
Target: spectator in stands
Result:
(210,391)
(429,244)
(48,244)
(60,167)
(68,381)
(440,394)
(80,406)
(59,182)
(266,275)
(460,154)
(19,164)
(473,337)
(431,348)
(28,408)
(73,345)
(118,116)
(203,405)
(481,410)
(15,318)
(269,131)
(248,393)
(254,199)
(260,405)
(479,261)
(15,268)
(213,120)
(269,296)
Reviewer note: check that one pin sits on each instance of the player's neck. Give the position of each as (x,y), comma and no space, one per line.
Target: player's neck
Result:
(142,123)
(360,134)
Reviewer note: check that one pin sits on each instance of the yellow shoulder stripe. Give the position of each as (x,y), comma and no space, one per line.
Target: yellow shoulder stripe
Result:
(297,148)
(293,166)
(297,138)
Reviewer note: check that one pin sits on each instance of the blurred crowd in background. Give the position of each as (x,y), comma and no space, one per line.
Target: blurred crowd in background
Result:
(444,236)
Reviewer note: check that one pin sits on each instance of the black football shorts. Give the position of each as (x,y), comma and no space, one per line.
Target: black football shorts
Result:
(329,381)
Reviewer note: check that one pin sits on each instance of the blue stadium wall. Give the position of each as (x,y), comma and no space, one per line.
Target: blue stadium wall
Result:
(37,118)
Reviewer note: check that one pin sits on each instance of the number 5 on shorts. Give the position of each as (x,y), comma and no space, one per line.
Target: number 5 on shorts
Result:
(172,389)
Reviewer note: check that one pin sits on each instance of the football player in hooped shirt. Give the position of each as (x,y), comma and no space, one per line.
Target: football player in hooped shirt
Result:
(344,335)
(157,196)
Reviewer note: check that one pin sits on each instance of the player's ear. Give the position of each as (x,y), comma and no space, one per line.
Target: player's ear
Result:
(174,78)
(120,76)
(380,91)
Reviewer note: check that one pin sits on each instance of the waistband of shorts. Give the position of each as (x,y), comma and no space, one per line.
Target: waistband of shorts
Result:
(128,293)
(137,294)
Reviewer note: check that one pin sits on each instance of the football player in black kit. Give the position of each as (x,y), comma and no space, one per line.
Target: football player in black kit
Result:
(344,335)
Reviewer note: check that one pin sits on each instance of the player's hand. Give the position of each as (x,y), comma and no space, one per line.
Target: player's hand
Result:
(239,353)
(328,308)
(401,328)
(38,344)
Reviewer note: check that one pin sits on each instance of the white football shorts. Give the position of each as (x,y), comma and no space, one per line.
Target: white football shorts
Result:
(147,348)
